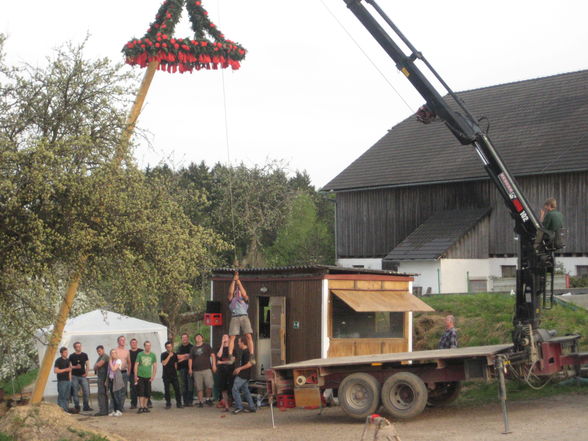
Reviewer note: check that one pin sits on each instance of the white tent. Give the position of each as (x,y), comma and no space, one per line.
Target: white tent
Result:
(103,328)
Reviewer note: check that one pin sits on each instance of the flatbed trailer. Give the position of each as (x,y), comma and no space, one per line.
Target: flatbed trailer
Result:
(406,383)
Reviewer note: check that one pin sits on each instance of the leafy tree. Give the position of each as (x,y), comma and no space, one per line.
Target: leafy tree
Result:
(68,195)
(59,127)
(304,239)
(248,205)
(160,276)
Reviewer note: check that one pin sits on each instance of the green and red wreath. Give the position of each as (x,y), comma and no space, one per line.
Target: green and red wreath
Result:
(184,54)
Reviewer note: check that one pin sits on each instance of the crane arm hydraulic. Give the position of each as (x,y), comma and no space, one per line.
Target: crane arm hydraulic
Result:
(536,249)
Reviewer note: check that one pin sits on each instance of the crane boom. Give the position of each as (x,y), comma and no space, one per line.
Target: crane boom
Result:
(536,249)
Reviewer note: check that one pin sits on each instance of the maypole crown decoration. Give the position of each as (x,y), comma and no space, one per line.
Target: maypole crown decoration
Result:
(184,54)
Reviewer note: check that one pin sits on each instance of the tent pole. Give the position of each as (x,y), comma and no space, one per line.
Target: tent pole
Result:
(72,289)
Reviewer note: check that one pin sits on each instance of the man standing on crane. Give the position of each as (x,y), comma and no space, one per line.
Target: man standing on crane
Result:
(552,220)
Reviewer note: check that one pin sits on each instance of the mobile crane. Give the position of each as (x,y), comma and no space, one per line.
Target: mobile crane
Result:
(404,383)
(536,254)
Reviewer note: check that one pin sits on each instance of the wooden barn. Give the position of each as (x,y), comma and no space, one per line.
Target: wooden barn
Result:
(299,313)
(419,202)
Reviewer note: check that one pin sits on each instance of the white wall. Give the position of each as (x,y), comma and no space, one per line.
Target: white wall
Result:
(426,271)
(454,273)
(325,342)
(569,264)
(366,263)
(495,263)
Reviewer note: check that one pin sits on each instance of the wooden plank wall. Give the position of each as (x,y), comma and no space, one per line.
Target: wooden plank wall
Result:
(474,244)
(303,304)
(371,223)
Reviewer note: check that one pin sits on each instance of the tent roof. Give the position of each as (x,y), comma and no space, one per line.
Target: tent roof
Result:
(105,322)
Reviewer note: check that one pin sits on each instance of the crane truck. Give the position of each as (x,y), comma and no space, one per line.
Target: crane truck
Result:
(405,383)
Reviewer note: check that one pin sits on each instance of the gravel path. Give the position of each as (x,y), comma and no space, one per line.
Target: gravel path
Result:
(560,418)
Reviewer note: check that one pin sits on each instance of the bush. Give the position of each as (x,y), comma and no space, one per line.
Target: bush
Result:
(579,281)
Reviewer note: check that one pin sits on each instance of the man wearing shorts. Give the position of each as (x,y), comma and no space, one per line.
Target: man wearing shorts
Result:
(239,304)
(201,364)
(145,369)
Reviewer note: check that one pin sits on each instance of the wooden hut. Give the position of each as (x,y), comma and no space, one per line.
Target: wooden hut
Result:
(299,313)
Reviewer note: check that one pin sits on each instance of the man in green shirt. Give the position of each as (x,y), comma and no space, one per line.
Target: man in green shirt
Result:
(552,220)
(145,370)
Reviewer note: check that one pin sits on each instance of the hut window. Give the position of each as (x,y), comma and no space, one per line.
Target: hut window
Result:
(390,324)
(348,323)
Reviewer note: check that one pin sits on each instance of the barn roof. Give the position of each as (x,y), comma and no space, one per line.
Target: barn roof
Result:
(538,126)
(303,269)
(437,234)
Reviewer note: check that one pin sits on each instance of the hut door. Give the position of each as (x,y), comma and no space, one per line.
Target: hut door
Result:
(278,330)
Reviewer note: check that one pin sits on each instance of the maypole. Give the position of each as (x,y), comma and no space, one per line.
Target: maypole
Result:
(157,50)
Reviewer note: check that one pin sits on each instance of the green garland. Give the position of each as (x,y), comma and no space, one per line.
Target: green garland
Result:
(183,54)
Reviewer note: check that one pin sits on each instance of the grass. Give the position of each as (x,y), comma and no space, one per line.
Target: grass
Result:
(5,437)
(20,382)
(486,319)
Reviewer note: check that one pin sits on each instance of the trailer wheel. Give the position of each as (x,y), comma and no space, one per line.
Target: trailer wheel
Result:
(359,395)
(404,395)
(444,393)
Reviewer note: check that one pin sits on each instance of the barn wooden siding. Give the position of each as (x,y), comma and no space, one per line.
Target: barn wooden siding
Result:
(303,304)
(371,223)
(473,245)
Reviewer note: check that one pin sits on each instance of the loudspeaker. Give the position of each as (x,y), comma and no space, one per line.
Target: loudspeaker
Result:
(213,307)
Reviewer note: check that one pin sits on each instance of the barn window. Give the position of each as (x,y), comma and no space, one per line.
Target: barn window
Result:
(581,270)
(508,270)
(477,285)
(348,323)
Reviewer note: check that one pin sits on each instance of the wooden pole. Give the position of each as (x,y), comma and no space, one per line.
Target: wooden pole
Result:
(135,111)
(51,350)
(74,283)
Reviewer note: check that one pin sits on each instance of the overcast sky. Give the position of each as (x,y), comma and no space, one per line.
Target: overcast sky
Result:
(306,94)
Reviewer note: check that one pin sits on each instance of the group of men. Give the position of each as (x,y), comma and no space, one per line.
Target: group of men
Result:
(191,366)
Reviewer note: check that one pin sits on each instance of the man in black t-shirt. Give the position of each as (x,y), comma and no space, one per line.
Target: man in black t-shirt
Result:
(80,366)
(133,351)
(169,361)
(187,384)
(201,365)
(242,376)
(62,369)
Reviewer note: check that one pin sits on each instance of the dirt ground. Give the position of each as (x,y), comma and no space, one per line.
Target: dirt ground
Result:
(560,418)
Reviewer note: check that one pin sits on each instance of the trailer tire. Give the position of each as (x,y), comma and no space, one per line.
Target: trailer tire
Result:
(404,395)
(359,395)
(444,393)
